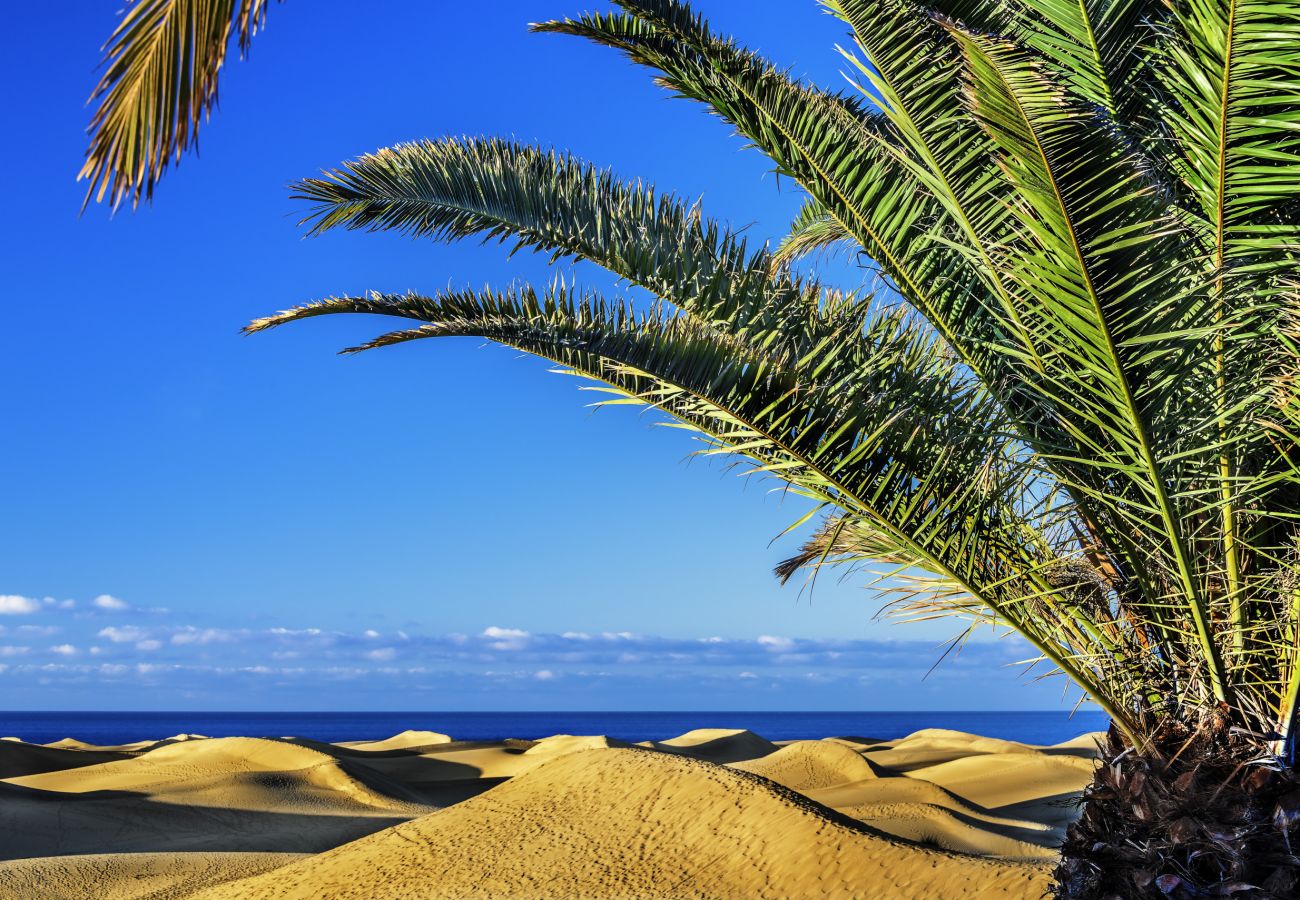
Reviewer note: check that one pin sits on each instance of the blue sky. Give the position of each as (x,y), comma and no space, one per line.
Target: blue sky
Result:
(414,528)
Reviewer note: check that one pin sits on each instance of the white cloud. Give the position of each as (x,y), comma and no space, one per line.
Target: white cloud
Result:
(383,654)
(370,633)
(110,603)
(191,635)
(748,675)
(148,646)
(64,650)
(125,635)
(59,604)
(506,638)
(544,675)
(14,651)
(14,605)
(775,644)
(576,636)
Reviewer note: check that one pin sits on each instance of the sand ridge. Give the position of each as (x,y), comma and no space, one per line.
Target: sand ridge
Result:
(713,812)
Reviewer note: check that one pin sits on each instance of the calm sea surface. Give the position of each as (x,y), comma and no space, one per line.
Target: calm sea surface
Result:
(124,727)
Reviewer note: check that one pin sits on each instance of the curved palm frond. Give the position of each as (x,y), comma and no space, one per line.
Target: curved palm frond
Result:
(551,202)
(827,142)
(813,230)
(1101,50)
(159,82)
(904,446)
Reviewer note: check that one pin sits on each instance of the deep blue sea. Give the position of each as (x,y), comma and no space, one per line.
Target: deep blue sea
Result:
(124,727)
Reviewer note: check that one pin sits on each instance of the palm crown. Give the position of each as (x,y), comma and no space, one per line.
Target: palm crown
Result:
(1068,404)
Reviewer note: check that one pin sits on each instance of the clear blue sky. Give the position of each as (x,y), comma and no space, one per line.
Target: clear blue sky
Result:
(413,528)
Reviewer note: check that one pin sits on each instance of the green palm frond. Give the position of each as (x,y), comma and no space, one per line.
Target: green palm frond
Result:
(1000,320)
(827,142)
(907,446)
(1107,292)
(159,82)
(557,204)
(813,230)
(1101,50)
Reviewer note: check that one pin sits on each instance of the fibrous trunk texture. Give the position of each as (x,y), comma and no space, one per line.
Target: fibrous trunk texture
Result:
(1204,812)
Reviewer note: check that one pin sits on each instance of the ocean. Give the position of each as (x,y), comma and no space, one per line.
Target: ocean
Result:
(125,727)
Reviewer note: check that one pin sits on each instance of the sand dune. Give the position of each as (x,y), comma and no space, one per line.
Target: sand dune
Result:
(714,812)
(18,759)
(808,765)
(559,744)
(131,876)
(406,740)
(719,745)
(227,794)
(627,822)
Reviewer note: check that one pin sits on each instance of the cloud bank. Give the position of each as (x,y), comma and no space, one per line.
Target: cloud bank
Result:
(145,657)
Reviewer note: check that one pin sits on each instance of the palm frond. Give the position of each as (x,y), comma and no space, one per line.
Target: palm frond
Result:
(1109,287)
(917,460)
(813,230)
(159,82)
(542,200)
(827,142)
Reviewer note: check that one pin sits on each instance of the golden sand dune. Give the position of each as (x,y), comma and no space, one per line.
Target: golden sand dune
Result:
(69,743)
(18,759)
(406,740)
(234,773)
(559,744)
(628,823)
(719,745)
(714,812)
(915,796)
(808,765)
(131,876)
(227,794)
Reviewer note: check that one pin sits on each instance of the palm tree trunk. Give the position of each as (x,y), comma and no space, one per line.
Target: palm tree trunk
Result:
(1203,812)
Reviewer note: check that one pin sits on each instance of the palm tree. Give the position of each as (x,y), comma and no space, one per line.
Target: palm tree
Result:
(1069,402)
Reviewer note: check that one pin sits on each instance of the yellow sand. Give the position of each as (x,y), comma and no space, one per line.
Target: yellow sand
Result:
(712,813)
(406,740)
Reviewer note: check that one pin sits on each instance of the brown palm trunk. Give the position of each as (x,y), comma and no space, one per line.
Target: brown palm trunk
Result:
(1205,813)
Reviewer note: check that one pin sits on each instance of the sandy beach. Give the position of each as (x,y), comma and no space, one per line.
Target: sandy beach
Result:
(710,813)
